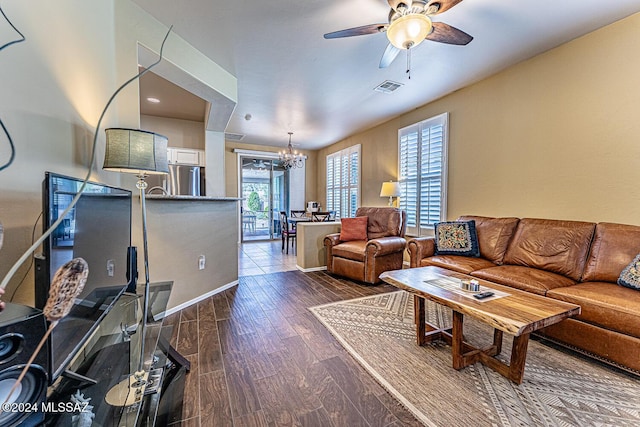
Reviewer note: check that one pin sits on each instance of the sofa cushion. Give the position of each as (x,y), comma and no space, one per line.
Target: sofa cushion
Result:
(630,276)
(456,238)
(354,249)
(494,235)
(353,228)
(382,222)
(461,264)
(604,304)
(552,245)
(525,278)
(612,249)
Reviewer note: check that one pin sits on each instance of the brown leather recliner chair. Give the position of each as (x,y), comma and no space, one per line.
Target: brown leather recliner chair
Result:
(365,260)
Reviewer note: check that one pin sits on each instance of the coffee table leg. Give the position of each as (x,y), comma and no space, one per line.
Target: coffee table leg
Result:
(420,318)
(497,341)
(457,345)
(518,358)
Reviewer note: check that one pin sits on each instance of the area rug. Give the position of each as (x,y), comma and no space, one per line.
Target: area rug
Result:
(559,388)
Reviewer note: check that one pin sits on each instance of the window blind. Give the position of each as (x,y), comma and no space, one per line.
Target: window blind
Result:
(422,150)
(343,181)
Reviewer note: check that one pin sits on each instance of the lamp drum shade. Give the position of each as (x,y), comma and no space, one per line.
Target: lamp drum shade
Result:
(135,151)
(390,189)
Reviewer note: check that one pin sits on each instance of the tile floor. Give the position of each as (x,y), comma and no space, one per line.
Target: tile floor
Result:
(264,257)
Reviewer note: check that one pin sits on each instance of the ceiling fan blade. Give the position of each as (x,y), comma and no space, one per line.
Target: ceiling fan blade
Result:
(438,6)
(445,33)
(388,56)
(357,31)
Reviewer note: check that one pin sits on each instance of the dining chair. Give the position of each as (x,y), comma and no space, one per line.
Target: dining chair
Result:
(287,232)
(249,221)
(297,213)
(320,216)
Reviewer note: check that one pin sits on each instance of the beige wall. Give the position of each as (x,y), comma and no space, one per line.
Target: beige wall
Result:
(179,231)
(231,167)
(556,136)
(54,87)
(181,133)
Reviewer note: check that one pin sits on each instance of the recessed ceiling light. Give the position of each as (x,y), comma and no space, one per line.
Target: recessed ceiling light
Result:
(153,100)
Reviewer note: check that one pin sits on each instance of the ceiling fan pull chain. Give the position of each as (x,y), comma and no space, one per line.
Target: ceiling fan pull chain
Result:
(408,62)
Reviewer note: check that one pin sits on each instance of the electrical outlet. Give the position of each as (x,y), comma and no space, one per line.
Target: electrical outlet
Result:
(111,266)
(201,262)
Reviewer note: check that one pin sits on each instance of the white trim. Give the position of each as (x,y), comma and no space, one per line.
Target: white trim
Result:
(263,154)
(308,270)
(198,299)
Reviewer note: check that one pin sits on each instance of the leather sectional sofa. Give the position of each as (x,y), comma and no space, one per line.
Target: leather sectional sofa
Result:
(573,261)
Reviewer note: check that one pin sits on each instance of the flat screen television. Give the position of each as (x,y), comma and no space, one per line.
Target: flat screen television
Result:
(98,229)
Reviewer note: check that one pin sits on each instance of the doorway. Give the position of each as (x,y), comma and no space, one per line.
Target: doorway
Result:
(264,185)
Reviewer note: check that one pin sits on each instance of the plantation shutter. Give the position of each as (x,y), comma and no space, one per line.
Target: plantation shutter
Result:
(422,167)
(343,181)
(408,179)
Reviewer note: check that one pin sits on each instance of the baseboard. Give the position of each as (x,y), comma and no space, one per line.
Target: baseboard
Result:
(308,270)
(198,299)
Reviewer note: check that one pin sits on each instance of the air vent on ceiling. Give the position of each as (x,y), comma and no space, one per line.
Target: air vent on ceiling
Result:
(387,86)
(233,136)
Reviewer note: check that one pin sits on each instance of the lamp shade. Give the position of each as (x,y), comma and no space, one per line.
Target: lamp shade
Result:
(390,189)
(135,151)
(409,30)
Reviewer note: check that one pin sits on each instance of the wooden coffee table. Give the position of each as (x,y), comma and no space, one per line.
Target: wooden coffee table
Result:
(519,313)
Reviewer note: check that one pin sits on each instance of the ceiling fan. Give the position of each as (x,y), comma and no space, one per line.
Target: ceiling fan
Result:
(409,24)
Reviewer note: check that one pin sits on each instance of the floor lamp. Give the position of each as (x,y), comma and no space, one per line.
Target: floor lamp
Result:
(141,153)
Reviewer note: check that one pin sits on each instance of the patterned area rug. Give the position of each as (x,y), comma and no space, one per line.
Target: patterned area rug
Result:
(559,389)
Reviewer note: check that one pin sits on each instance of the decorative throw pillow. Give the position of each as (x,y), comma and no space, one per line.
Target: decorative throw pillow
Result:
(457,238)
(354,228)
(630,276)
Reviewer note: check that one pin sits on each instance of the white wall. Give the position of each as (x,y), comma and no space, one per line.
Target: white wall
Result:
(214,152)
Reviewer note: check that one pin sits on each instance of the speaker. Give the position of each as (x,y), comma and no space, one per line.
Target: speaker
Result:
(21,329)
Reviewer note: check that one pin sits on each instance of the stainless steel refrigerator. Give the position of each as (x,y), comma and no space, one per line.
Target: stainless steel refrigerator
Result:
(182,180)
(185,180)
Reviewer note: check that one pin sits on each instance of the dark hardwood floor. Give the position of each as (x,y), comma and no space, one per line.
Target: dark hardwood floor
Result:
(260,358)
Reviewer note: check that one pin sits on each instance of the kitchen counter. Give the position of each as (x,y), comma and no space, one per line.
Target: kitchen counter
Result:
(196,198)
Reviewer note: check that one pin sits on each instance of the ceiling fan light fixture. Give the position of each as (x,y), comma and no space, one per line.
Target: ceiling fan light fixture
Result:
(409,30)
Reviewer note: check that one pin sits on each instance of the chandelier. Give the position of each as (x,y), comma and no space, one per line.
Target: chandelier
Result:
(289,158)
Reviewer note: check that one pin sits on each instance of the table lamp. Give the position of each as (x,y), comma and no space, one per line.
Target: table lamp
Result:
(141,153)
(390,189)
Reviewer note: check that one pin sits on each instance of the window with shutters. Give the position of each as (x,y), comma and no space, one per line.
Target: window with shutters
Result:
(422,155)
(343,182)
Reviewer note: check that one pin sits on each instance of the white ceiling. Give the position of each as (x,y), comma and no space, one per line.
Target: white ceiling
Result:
(291,79)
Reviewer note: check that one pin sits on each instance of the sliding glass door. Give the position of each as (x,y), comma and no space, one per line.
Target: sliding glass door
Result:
(265,190)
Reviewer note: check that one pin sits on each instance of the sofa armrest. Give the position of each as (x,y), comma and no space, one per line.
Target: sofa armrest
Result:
(419,248)
(332,239)
(385,245)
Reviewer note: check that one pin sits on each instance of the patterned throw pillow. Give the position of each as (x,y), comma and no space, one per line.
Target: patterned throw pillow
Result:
(630,276)
(457,238)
